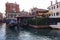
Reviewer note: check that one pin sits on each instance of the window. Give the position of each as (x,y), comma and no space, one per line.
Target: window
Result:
(57,13)
(49,14)
(11,15)
(14,15)
(57,6)
(49,8)
(54,14)
(54,7)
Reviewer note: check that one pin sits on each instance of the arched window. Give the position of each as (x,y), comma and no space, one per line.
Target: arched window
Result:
(54,7)
(54,14)
(57,6)
(57,13)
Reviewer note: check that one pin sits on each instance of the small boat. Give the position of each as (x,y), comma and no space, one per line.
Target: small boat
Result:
(57,26)
(12,23)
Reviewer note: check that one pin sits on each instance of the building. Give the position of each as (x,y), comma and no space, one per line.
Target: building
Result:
(40,12)
(1,15)
(23,13)
(12,10)
(55,9)
(34,10)
(54,18)
(12,7)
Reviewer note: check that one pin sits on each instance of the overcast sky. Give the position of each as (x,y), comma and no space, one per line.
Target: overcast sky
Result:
(27,4)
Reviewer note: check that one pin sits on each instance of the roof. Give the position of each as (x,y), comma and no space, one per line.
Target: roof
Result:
(12,3)
(42,10)
(25,16)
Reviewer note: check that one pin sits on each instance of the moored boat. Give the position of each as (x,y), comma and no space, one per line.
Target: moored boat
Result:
(57,26)
(12,23)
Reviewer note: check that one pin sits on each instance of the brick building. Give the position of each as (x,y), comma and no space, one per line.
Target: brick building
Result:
(12,10)
(12,7)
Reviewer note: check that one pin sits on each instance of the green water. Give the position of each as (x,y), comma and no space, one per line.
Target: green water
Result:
(28,34)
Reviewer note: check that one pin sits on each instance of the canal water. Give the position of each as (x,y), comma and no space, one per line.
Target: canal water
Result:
(28,33)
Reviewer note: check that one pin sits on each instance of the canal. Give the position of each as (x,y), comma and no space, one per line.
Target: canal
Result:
(28,34)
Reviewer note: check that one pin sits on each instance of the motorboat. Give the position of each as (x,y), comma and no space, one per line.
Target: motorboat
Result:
(12,23)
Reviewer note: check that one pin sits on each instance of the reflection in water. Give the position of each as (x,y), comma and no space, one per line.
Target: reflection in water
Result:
(28,34)
(56,33)
(12,34)
(2,31)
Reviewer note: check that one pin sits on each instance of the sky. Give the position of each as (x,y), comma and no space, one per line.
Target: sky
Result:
(27,4)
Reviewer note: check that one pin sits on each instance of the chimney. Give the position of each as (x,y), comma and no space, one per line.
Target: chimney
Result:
(56,1)
(15,3)
(51,3)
